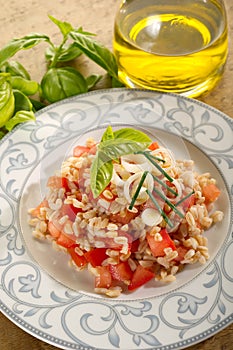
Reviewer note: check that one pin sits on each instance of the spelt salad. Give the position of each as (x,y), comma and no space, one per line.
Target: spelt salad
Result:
(127,211)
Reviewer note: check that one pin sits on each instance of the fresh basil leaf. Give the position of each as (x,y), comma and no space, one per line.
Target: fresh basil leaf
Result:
(101,175)
(37,105)
(59,83)
(18,118)
(15,68)
(66,54)
(108,134)
(119,147)
(80,30)
(116,83)
(2,133)
(22,102)
(64,27)
(96,52)
(28,87)
(132,134)
(92,80)
(24,43)
(7,102)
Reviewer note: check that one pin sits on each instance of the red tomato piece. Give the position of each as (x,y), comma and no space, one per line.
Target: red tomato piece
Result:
(154,145)
(96,256)
(54,229)
(181,250)
(78,151)
(140,277)
(121,272)
(134,246)
(157,247)
(188,202)
(58,182)
(36,211)
(123,218)
(70,210)
(79,260)
(104,280)
(66,241)
(211,193)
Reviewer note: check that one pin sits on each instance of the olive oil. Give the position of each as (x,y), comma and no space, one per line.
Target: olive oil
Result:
(178,46)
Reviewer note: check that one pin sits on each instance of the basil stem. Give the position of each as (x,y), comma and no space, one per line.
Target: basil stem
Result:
(135,196)
(163,214)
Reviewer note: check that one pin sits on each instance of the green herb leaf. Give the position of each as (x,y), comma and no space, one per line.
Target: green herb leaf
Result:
(22,102)
(15,68)
(7,101)
(19,117)
(59,83)
(133,135)
(120,147)
(66,53)
(64,27)
(96,52)
(101,174)
(108,134)
(28,87)
(37,105)
(92,80)
(24,43)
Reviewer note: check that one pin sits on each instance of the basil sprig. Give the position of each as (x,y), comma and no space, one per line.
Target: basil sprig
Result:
(113,145)
(60,80)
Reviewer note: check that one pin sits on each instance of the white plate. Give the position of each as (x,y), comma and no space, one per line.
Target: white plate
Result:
(43,296)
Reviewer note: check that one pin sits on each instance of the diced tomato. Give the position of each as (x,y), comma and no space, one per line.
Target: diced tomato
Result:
(134,246)
(93,149)
(78,151)
(188,202)
(96,256)
(79,260)
(70,210)
(181,250)
(154,145)
(140,277)
(36,211)
(211,193)
(123,218)
(104,280)
(157,247)
(58,182)
(54,229)
(121,272)
(66,241)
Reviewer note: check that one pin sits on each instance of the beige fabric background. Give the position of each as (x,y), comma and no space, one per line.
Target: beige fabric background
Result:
(20,17)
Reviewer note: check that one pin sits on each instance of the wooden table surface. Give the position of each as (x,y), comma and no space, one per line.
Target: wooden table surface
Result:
(20,17)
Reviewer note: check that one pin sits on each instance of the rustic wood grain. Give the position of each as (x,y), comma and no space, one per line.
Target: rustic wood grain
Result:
(20,17)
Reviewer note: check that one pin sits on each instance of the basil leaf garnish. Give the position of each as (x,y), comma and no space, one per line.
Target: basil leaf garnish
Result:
(112,146)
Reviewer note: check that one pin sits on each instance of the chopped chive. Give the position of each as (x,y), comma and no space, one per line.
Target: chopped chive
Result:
(135,196)
(154,157)
(158,166)
(184,198)
(171,205)
(167,220)
(164,185)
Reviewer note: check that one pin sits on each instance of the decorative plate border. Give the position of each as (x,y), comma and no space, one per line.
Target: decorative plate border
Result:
(24,299)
